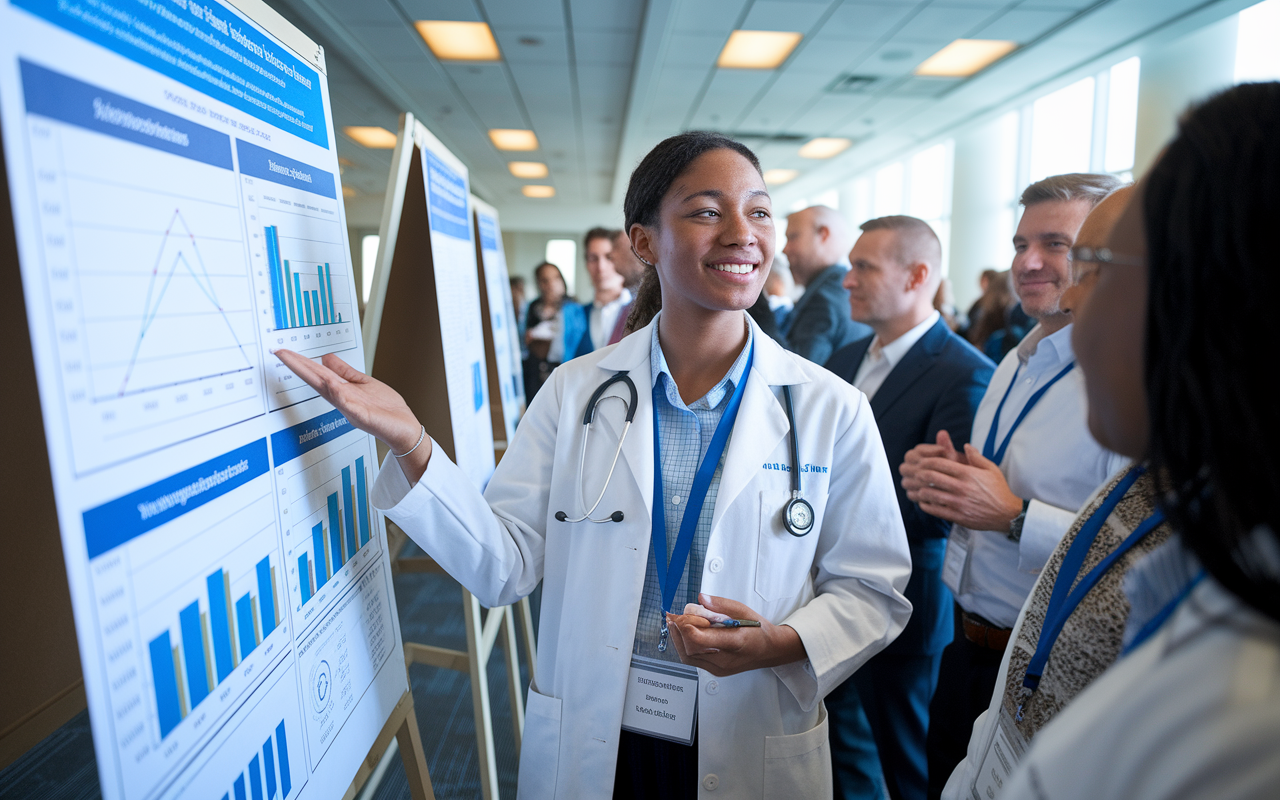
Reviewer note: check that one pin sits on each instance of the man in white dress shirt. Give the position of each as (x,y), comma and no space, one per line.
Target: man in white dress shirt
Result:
(1013,492)
(611,295)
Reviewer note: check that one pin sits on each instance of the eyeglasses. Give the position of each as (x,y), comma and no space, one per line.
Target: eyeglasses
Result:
(1080,256)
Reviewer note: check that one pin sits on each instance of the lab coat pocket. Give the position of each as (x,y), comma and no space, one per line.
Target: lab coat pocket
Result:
(540,747)
(783,561)
(799,765)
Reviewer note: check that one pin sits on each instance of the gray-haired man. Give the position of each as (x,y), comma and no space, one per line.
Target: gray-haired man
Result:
(1015,489)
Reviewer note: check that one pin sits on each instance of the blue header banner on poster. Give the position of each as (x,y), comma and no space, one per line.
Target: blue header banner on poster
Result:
(50,94)
(488,232)
(261,163)
(206,47)
(288,444)
(448,192)
(112,524)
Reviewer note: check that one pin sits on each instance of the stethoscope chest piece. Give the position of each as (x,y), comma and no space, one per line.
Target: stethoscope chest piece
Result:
(797,517)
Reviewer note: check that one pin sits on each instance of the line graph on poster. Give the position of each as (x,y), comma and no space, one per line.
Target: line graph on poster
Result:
(151,295)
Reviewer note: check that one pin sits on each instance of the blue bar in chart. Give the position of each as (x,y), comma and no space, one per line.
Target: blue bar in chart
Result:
(328,282)
(266,601)
(335,534)
(282,745)
(168,707)
(362,496)
(220,619)
(255,778)
(244,621)
(347,496)
(277,276)
(269,768)
(317,546)
(239,788)
(324,298)
(193,650)
(304,576)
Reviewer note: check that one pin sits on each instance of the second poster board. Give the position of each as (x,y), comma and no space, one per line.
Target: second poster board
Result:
(502,337)
(423,331)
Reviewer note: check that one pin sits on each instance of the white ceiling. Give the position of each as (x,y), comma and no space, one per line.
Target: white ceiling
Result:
(602,81)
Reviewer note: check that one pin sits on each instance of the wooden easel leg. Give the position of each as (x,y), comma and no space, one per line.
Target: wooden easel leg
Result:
(480,697)
(415,762)
(513,673)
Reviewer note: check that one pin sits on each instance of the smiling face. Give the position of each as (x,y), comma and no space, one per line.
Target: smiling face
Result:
(1042,247)
(599,258)
(713,242)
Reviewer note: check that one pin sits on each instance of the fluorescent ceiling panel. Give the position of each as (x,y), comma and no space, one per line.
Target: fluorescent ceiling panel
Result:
(777,177)
(538,191)
(371,136)
(513,139)
(459,41)
(824,147)
(757,49)
(527,169)
(965,57)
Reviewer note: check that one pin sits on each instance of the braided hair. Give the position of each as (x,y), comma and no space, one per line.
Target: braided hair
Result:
(649,184)
(1214,278)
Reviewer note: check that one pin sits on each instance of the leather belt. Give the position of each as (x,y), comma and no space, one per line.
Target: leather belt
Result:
(983,633)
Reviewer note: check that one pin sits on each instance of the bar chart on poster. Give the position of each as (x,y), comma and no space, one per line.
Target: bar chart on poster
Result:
(176,225)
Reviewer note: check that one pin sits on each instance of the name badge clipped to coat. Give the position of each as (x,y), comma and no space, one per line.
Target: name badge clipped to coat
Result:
(1003,753)
(662,700)
(957,559)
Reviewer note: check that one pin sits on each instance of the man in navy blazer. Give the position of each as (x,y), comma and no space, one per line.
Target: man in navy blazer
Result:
(819,324)
(921,379)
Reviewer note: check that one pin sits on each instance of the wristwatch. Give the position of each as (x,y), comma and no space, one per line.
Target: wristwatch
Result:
(1015,527)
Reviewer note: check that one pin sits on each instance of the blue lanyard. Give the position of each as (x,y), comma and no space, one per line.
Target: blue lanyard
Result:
(989,450)
(669,575)
(1162,616)
(1063,600)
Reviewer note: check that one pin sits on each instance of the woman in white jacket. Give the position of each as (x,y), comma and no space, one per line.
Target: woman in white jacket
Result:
(610,655)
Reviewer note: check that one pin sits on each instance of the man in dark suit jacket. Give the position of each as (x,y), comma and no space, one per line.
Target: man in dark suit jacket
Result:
(921,379)
(819,324)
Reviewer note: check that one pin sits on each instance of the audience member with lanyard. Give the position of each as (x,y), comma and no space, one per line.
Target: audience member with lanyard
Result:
(630,700)
(1013,500)
(1073,624)
(1173,338)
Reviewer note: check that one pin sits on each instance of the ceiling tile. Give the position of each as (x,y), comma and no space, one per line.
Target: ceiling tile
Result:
(693,50)
(704,18)
(452,10)
(604,47)
(391,40)
(524,13)
(551,49)
(615,14)
(1022,25)
(778,15)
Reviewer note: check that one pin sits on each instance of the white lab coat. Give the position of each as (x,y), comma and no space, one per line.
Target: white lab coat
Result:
(763,733)
(1193,713)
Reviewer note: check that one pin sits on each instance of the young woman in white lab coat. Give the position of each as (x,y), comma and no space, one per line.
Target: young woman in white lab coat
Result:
(697,210)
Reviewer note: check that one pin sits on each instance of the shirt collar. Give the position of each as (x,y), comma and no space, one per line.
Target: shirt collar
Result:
(895,350)
(660,371)
(1046,350)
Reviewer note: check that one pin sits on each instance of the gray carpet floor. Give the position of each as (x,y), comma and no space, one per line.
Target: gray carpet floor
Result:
(62,767)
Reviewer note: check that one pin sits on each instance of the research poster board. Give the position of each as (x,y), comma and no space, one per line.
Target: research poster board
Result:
(502,322)
(425,329)
(178,213)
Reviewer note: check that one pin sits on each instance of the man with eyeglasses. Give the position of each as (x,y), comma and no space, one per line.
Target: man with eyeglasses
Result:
(1014,491)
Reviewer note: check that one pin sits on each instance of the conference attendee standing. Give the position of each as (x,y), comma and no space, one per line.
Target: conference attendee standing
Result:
(1014,494)
(631,268)
(921,378)
(554,328)
(610,295)
(819,324)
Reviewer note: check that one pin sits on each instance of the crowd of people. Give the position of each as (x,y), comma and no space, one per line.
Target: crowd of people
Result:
(1080,490)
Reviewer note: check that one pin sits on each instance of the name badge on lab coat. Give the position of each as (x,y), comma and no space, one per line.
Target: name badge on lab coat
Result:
(957,559)
(1002,756)
(662,700)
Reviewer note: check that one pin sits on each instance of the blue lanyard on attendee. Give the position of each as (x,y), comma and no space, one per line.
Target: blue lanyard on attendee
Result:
(989,450)
(1063,601)
(669,575)
(1153,624)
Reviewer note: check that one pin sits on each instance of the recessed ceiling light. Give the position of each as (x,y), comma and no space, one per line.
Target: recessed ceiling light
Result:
(824,147)
(527,169)
(777,177)
(371,136)
(965,57)
(757,49)
(513,139)
(459,41)
(535,190)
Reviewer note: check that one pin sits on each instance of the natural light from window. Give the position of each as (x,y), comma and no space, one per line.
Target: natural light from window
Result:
(1257,56)
(1062,131)
(368,259)
(564,254)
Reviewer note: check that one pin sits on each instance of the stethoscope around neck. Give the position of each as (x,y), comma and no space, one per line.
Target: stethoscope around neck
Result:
(797,515)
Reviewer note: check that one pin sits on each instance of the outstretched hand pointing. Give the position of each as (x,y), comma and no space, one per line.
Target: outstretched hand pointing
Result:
(368,403)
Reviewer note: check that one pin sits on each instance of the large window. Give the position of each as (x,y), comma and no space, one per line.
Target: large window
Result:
(1257,57)
(1088,126)
(564,254)
(919,185)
